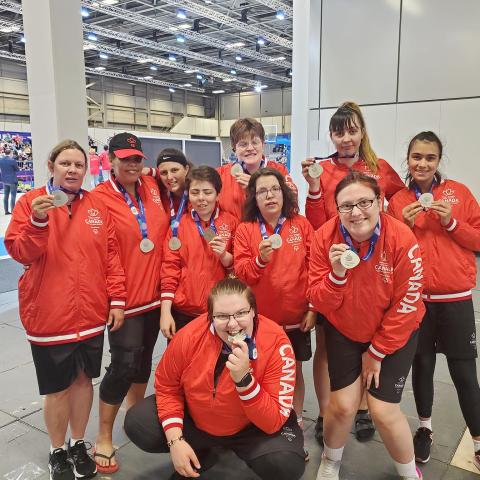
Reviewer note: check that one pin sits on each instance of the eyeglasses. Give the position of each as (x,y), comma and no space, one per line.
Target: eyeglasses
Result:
(362,205)
(262,193)
(255,144)
(225,317)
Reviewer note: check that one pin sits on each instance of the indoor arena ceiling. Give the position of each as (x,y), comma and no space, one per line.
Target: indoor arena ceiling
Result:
(201,45)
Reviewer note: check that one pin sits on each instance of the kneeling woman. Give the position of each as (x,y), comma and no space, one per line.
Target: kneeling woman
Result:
(226,379)
(366,278)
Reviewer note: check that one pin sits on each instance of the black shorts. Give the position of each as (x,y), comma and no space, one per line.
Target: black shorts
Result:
(181,319)
(321,319)
(449,328)
(58,366)
(143,428)
(301,343)
(345,364)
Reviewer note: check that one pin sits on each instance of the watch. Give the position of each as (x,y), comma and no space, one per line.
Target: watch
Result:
(245,381)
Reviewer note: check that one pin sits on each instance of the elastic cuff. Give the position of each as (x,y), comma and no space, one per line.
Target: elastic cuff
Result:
(167,295)
(172,422)
(451,226)
(314,195)
(39,222)
(311,308)
(375,354)
(335,280)
(117,303)
(247,396)
(260,263)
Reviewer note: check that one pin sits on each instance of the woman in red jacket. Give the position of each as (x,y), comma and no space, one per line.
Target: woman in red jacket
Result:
(348,133)
(226,379)
(365,277)
(247,136)
(272,248)
(73,285)
(445,218)
(141,226)
(198,252)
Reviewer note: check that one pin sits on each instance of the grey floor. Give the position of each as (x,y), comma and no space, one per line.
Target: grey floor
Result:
(24,443)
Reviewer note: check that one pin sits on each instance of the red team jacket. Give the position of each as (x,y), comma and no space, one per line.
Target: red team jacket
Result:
(185,374)
(321,206)
(280,286)
(188,274)
(142,270)
(448,252)
(379,301)
(232,197)
(74,275)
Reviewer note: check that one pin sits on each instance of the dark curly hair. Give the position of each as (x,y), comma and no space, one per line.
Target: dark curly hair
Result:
(250,209)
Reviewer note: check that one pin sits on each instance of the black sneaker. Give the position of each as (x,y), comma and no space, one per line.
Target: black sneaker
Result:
(59,466)
(319,430)
(422,441)
(83,465)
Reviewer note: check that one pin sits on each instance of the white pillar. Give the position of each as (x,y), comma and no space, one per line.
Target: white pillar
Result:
(56,77)
(305,81)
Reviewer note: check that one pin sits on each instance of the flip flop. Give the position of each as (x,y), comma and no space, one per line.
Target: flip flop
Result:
(108,469)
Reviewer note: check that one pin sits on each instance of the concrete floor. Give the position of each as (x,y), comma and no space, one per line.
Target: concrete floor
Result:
(24,443)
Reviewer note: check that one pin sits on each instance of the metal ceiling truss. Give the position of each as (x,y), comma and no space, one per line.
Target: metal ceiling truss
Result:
(231,22)
(164,47)
(105,73)
(168,63)
(10,6)
(278,6)
(165,27)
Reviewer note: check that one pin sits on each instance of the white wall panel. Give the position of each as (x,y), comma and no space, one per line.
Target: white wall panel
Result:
(249,105)
(459,134)
(197,110)
(359,51)
(440,49)
(229,107)
(313,121)
(271,102)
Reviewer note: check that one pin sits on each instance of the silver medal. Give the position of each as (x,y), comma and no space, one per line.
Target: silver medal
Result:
(60,198)
(209,235)
(315,170)
(239,337)
(426,200)
(349,259)
(174,243)
(276,240)
(236,170)
(146,245)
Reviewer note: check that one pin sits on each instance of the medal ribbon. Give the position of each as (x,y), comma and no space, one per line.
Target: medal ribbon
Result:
(175,219)
(198,222)
(263,228)
(263,164)
(417,190)
(138,213)
(53,188)
(373,240)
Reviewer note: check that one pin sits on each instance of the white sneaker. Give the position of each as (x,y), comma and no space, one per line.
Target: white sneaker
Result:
(328,469)
(419,476)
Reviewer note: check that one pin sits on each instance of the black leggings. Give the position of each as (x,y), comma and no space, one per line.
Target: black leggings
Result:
(464,376)
(275,456)
(131,348)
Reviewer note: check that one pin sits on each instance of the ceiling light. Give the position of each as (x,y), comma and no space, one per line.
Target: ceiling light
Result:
(228,80)
(190,71)
(144,60)
(171,90)
(92,37)
(181,14)
(278,59)
(23,39)
(89,46)
(153,67)
(235,45)
(258,88)
(280,15)
(289,72)
(180,38)
(187,84)
(99,69)
(183,26)
(172,57)
(147,77)
(218,91)
(84,12)
(261,41)
(109,2)
(233,71)
(199,76)
(238,58)
(103,56)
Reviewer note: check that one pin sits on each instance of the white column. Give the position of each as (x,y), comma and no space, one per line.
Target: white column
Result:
(56,77)
(305,81)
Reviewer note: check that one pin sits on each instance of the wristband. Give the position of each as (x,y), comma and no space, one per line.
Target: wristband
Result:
(173,440)
(245,381)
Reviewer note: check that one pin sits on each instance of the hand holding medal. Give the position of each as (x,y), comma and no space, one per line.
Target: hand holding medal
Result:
(41,205)
(335,254)
(410,212)
(265,250)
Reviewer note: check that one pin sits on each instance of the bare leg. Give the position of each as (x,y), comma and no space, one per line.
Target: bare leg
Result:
(104,442)
(393,428)
(56,413)
(81,398)
(135,393)
(340,414)
(299,394)
(321,380)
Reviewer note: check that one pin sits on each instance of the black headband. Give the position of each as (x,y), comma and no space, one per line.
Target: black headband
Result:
(172,158)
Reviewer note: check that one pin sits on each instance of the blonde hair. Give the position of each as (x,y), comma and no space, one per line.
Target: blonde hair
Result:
(344,118)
